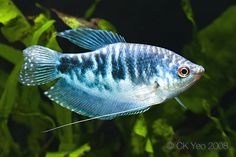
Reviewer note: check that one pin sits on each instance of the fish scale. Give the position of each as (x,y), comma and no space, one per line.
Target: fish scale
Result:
(109,66)
(115,78)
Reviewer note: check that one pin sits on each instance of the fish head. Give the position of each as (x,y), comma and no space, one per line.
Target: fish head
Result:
(179,75)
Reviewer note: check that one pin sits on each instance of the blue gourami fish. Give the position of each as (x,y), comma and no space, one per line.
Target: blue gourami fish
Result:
(115,78)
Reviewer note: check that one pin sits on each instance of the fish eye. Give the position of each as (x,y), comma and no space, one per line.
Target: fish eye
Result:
(183,71)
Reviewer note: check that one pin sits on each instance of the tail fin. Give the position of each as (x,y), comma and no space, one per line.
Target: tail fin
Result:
(40,66)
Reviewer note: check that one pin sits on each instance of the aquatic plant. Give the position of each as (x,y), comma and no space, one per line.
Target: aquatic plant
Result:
(207,128)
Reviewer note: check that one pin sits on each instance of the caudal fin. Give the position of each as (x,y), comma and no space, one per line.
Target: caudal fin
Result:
(40,66)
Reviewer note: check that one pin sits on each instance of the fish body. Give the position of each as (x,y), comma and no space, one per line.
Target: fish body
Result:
(115,78)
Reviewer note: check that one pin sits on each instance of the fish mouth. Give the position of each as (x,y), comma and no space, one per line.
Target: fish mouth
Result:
(198,73)
(197,77)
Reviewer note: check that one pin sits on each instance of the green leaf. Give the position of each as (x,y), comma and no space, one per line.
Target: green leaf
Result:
(195,45)
(7,103)
(220,127)
(138,144)
(77,153)
(74,22)
(148,146)
(138,139)
(140,127)
(218,42)
(37,122)
(9,146)
(15,25)
(10,54)
(56,154)
(44,30)
(8,98)
(53,44)
(64,116)
(8,11)
(91,9)
(161,128)
(38,33)
(187,8)
(105,25)
(39,21)
(80,151)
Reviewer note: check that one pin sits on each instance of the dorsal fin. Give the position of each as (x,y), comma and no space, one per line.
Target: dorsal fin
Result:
(91,39)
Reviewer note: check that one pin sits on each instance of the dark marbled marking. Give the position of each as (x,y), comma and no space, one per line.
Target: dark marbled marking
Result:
(87,64)
(65,64)
(115,67)
(121,66)
(130,62)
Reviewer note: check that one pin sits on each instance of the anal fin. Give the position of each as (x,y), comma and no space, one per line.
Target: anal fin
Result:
(70,96)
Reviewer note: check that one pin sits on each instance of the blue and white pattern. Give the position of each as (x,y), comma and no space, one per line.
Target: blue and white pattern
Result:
(116,78)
